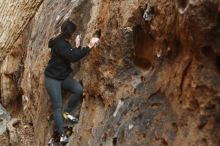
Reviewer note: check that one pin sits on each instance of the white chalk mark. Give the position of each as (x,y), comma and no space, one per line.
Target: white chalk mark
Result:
(120,104)
(130,126)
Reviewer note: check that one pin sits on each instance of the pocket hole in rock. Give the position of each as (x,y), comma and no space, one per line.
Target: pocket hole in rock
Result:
(143,44)
(114,141)
(217,62)
(182,3)
(207,51)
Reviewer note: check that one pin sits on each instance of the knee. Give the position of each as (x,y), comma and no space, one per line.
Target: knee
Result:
(79,90)
(76,88)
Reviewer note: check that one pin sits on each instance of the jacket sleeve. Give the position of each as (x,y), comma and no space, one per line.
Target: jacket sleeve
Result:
(71,54)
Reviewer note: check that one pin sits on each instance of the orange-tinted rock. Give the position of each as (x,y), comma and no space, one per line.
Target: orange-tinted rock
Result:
(175,102)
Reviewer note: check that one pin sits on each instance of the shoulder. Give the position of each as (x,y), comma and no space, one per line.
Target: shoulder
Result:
(63,42)
(59,42)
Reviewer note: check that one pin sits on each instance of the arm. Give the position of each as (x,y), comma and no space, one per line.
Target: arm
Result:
(71,54)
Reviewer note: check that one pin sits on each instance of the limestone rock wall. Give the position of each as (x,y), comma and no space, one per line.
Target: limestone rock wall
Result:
(152,81)
(15,15)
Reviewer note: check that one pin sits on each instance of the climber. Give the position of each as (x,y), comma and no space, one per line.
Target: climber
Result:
(57,74)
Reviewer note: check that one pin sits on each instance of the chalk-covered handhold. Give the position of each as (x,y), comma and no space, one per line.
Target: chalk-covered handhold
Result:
(130,126)
(148,14)
(120,104)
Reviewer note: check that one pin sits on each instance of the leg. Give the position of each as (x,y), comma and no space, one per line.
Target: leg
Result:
(76,89)
(54,90)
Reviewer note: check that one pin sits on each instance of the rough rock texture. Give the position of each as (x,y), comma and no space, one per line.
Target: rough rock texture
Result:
(4,118)
(14,15)
(152,81)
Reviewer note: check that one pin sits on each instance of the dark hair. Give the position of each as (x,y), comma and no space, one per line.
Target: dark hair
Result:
(67,29)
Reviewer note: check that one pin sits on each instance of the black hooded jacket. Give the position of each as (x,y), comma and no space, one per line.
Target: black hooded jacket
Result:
(62,54)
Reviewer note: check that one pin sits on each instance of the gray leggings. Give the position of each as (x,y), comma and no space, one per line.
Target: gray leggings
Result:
(53,87)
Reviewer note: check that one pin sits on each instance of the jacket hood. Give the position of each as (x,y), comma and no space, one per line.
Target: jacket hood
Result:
(51,42)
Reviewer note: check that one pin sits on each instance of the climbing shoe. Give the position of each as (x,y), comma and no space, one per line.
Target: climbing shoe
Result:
(64,139)
(70,118)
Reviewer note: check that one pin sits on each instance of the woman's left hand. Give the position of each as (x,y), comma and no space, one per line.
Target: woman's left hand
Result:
(93,42)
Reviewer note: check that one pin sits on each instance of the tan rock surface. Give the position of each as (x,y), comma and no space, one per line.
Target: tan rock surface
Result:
(174,100)
(14,15)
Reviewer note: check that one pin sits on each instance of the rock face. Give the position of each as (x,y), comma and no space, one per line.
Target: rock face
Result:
(152,81)
(15,15)
(4,118)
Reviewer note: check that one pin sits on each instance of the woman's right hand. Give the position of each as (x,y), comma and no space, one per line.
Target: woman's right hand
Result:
(78,40)
(93,42)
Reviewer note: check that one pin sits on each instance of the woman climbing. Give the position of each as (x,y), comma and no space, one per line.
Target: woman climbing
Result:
(57,75)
